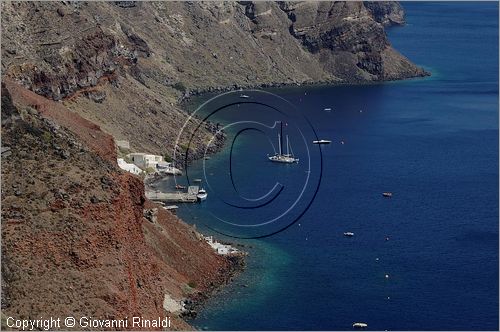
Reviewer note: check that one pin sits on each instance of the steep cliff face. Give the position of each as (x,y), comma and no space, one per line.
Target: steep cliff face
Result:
(349,40)
(75,241)
(88,57)
(124,65)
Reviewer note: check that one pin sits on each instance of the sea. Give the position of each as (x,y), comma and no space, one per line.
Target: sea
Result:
(425,258)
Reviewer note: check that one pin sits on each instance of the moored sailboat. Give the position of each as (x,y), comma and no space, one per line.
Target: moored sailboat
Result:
(279,157)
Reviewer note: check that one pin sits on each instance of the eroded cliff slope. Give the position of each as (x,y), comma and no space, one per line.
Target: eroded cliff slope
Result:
(74,237)
(124,65)
(75,241)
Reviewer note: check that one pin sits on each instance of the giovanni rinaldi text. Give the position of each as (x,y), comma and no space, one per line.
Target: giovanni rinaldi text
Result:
(86,322)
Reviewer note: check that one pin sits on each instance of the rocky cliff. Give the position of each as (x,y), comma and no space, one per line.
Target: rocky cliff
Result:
(76,75)
(386,12)
(124,65)
(78,236)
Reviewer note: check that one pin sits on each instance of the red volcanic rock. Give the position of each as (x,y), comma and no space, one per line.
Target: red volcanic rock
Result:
(74,238)
(89,133)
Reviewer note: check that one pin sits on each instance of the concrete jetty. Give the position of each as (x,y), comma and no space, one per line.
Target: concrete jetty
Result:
(174,197)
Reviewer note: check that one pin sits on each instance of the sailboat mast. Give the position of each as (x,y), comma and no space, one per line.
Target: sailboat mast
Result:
(281,135)
(279,143)
(287,146)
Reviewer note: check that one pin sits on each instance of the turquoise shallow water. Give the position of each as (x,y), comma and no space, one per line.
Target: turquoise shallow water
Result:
(433,142)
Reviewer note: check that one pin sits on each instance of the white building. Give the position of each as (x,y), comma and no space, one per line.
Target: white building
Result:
(221,249)
(128,167)
(144,160)
(168,168)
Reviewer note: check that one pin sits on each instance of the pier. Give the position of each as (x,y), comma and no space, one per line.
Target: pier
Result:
(174,197)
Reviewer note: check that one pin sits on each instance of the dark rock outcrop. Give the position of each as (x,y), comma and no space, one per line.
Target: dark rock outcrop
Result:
(386,12)
(344,33)
(126,4)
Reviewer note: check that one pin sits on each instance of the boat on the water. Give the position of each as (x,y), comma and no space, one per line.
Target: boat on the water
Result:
(349,234)
(280,157)
(178,186)
(359,325)
(387,194)
(202,195)
(327,109)
(322,141)
(244,96)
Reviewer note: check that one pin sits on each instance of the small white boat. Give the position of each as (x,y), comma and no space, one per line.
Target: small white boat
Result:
(387,194)
(202,194)
(322,141)
(349,234)
(327,109)
(244,96)
(359,325)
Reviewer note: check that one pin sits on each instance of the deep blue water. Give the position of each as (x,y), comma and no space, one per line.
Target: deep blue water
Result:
(433,142)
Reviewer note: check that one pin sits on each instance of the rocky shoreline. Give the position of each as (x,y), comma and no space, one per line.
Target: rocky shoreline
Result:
(186,97)
(237,262)
(92,216)
(195,302)
(101,65)
(236,265)
(219,141)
